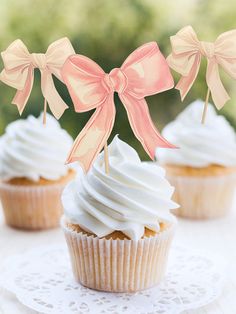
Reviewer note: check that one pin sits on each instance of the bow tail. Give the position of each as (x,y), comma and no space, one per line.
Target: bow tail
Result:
(147,134)
(55,102)
(186,82)
(94,135)
(22,96)
(218,92)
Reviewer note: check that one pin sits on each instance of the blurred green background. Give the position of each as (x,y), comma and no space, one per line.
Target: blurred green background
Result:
(107,31)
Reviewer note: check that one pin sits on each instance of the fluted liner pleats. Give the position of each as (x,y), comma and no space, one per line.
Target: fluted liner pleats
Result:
(203,197)
(118,265)
(32,207)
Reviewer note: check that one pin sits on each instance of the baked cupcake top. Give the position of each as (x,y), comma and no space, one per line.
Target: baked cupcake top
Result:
(200,145)
(31,150)
(134,195)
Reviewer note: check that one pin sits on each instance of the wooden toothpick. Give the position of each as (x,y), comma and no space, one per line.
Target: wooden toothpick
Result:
(106,159)
(205,106)
(45,111)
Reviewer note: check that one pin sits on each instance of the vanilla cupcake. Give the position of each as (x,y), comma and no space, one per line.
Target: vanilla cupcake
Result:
(118,226)
(203,169)
(33,172)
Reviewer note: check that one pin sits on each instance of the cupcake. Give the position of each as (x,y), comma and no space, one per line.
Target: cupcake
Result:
(203,169)
(118,226)
(33,172)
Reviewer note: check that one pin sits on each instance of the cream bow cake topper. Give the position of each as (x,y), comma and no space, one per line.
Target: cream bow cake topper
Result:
(145,72)
(19,67)
(185,59)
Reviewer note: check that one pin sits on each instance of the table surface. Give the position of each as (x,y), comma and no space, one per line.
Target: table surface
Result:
(216,236)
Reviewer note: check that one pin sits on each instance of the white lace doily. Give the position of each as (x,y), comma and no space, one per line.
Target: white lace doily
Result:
(42,280)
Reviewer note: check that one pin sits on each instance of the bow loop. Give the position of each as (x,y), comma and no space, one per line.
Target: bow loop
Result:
(85,81)
(144,72)
(185,50)
(16,60)
(19,67)
(185,42)
(147,72)
(56,55)
(16,56)
(225,50)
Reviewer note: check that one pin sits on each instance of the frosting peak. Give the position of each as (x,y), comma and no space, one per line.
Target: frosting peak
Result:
(200,145)
(134,195)
(32,150)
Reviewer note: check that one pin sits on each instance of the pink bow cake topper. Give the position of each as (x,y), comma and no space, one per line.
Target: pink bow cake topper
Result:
(185,59)
(19,67)
(145,72)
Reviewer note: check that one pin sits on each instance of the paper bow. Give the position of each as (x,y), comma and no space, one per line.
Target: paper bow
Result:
(19,72)
(186,55)
(145,72)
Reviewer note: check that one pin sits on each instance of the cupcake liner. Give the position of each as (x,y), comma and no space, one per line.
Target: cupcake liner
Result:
(203,197)
(118,265)
(32,207)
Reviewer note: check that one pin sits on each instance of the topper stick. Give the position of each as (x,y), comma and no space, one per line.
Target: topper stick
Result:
(44,111)
(205,106)
(106,158)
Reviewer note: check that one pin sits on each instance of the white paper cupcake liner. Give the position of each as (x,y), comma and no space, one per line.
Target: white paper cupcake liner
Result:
(118,265)
(203,197)
(32,207)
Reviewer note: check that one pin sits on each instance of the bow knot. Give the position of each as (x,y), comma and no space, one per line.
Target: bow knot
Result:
(118,80)
(186,55)
(39,60)
(145,72)
(207,49)
(19,67)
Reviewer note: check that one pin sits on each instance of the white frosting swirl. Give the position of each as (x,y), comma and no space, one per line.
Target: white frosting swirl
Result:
(200,145)
(132,196)
(32,150)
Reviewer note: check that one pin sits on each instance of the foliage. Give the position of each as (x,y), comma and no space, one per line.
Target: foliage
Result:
(107,31)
